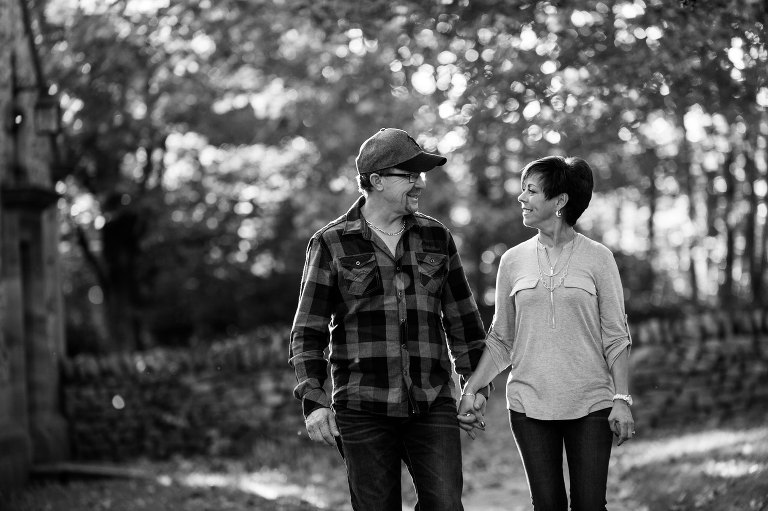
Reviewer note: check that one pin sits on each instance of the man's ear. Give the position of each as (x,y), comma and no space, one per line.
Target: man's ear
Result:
(375,180)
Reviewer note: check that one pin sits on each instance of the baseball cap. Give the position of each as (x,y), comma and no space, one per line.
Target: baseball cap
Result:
(391,147)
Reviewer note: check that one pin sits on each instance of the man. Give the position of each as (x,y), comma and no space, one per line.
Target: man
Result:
(383,285)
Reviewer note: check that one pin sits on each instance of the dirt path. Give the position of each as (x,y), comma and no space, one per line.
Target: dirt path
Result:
(702,469)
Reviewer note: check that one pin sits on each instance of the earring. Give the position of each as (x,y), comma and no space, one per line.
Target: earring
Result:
(559,213)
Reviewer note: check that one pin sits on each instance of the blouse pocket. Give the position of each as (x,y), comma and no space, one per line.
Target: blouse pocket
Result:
(360,273)
(582,283)
(432,270)
(523,284)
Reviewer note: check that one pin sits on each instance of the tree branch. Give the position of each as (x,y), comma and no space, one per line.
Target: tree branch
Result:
(91,258)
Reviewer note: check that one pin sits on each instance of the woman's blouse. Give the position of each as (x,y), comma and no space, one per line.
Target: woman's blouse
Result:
(560,366)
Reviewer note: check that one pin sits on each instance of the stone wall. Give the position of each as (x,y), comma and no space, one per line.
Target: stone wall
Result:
(216,400)
(697,368)
(700,368)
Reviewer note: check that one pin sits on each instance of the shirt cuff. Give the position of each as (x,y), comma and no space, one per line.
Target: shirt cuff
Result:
(616,349)
(501,355)
(314,399)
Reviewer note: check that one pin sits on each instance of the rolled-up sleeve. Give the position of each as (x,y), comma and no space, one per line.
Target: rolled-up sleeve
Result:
(501,335)
(614,329)
(309,334)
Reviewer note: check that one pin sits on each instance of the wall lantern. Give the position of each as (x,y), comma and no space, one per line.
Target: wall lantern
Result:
(13,118)
(47,115)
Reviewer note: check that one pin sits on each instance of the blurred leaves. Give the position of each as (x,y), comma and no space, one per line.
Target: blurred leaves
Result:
(209,140)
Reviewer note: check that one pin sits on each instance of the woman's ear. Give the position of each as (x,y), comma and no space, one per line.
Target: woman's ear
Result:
(562,200)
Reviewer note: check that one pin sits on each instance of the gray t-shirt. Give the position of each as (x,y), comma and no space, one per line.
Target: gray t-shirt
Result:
(560,367)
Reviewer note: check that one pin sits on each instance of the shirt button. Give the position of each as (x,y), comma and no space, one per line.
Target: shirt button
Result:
(397,268)
(402,320)
(357,263)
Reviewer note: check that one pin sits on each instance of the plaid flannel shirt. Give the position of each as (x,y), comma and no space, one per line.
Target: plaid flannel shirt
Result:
(390,321)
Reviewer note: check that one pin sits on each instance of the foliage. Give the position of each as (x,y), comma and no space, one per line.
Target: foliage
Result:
(207,141)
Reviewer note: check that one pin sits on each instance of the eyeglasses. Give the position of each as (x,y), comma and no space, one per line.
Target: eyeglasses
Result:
(412,177)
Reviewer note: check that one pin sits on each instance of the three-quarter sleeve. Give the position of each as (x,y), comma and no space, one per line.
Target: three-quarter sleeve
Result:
(501,335)
(614,330)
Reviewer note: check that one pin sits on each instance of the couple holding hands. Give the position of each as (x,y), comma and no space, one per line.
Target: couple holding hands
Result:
(385,301)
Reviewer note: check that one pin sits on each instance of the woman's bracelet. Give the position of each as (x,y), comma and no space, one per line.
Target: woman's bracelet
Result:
(467,394)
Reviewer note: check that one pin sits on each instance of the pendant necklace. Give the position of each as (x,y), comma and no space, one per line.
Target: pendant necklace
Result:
(548,281)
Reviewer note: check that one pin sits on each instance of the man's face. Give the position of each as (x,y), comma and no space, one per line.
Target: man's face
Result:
(402,189)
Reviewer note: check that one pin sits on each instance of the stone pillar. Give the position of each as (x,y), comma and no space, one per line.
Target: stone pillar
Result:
(43,334)
(32,427)
(15,443)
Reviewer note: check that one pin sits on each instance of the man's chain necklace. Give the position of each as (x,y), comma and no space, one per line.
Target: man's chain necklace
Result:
(398,233)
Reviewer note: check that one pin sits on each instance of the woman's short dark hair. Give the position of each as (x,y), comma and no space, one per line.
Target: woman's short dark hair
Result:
(564,175)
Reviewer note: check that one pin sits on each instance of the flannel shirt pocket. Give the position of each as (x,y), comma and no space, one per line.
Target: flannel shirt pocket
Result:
(431,270)
(360,273)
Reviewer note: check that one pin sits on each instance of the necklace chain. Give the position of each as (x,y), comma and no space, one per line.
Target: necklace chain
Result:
(548,281)
(552,266)
(398,233)
(552,271)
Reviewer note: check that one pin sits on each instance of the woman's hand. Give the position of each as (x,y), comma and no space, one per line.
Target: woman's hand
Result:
(621,421)
(472,413)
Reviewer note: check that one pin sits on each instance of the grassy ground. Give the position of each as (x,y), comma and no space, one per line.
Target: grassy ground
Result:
(701,468)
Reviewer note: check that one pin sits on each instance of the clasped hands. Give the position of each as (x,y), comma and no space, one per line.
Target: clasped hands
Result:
(321,423)
(472,413)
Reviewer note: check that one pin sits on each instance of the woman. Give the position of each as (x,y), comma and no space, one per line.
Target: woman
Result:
(560,325)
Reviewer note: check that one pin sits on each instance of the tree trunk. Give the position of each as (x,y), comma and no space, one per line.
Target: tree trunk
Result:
(684,160)
(750,249)
(122,298)
(725,292)
(711,202)
(650,162)
(758,284)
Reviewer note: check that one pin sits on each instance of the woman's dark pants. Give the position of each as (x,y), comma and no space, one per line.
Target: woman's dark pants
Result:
(587,444)
(373,447)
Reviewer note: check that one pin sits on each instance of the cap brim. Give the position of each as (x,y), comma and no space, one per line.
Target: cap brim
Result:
(422,162)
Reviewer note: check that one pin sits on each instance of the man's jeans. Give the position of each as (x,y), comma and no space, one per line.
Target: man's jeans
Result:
(429,444)
(587,443)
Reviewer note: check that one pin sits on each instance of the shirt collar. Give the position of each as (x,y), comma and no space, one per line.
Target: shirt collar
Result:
(355,223)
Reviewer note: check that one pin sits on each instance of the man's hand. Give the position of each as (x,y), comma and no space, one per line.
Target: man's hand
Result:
(321,426)
(472,414)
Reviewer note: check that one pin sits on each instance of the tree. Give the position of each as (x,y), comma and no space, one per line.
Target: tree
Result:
(207,141)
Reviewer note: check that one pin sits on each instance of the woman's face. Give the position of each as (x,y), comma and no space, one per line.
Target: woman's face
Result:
(538,211)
